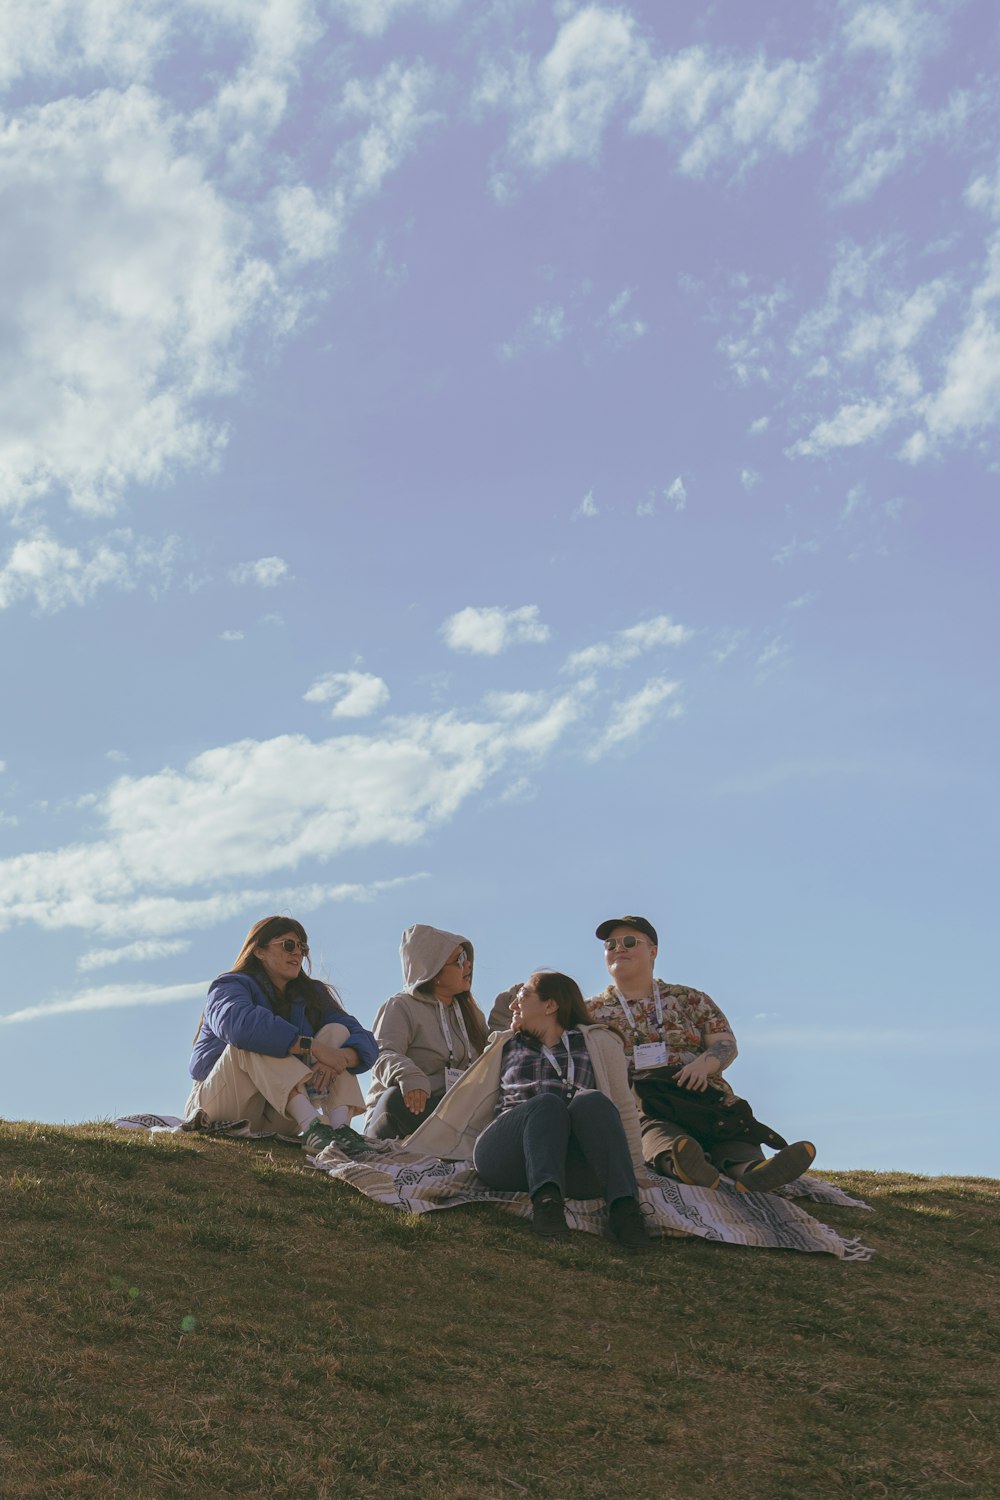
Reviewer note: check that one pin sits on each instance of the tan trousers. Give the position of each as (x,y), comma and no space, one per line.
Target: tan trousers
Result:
(659,1135)
(249,1086)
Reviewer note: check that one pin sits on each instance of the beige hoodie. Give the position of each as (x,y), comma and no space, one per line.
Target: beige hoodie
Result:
(413,1047)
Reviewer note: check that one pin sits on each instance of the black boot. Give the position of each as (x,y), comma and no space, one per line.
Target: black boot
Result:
(548,1217)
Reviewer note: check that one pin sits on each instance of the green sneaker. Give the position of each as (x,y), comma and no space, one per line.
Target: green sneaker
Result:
(320,1135)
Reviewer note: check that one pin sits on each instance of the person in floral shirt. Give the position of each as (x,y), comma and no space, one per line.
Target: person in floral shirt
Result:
(670,1026)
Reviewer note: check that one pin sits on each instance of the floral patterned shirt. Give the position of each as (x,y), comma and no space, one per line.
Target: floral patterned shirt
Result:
(690,1020)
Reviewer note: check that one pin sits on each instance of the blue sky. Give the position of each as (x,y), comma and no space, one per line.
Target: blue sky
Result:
(502,465)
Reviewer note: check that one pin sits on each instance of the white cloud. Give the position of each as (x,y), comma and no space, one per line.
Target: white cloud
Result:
(310,229)
(129,287)
(715,108)
(513,705)
(728,111)
(761,424)
(490,630)
(886,50)
(562,106)
(373,17)
(749,479)
(52,576)
(353,695)
(174,854)
(121,39)
(634,714)
(545,327)
(626,645)
(107,997)
(143,951)
(395,105)
(231,635)
(771,659)
(795,548)
(266,572)
(587,506)
(677,492)
(857,422)
(621,325)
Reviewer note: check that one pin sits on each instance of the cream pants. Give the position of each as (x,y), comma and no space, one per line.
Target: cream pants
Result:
(249,1086)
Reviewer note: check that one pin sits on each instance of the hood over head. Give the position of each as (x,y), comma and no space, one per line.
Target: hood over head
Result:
(424,951)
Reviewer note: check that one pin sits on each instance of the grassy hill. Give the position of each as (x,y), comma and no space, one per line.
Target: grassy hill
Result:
(204,1319)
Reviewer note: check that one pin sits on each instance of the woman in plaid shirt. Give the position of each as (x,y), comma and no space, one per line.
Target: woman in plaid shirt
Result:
(555,1133)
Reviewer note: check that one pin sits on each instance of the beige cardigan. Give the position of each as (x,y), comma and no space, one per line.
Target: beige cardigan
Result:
(465,1111)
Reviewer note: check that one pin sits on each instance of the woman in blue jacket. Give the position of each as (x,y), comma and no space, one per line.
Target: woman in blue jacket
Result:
(275,1047)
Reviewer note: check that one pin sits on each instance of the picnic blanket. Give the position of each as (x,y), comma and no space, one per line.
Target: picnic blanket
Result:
(416,1185)
(767,1220)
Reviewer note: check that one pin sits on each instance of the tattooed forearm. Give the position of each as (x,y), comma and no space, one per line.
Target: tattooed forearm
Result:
(724,1049)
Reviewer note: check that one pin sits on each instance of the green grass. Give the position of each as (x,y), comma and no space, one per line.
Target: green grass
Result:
(192,1318)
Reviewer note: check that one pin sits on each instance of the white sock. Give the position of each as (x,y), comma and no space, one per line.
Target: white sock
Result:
(337,1116)
(302,1110)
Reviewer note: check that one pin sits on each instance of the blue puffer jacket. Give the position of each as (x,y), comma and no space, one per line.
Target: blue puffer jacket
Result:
(239,1013)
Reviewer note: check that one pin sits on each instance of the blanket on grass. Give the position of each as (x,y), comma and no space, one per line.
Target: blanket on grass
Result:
(416,1185)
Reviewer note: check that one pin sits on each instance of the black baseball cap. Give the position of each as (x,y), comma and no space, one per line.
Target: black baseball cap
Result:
(639,923)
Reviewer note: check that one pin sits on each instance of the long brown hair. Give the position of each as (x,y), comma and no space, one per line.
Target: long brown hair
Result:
(571,1008)
(315,994)
(475,1022)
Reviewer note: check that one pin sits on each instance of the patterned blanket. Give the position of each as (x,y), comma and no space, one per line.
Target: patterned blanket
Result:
(771,1220)
(418,1184)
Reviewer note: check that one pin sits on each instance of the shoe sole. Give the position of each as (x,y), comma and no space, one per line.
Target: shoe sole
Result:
(692,1166)
(788,1166)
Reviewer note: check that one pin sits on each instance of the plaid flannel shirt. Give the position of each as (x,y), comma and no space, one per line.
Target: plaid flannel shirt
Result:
(525,1070)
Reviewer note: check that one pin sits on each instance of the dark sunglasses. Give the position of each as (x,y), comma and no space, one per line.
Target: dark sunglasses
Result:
(292,945)
(610,944)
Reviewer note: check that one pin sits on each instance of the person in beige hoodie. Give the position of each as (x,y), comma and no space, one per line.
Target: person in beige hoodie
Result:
(428,1033)
(547,1110)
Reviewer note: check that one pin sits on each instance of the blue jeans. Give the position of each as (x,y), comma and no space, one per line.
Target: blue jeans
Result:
(580,1146)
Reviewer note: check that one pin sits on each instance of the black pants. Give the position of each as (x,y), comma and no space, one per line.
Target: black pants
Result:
(580,1146)
(390,1120)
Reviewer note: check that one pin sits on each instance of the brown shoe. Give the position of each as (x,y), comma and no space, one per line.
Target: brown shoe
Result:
(785,1167)
(691,1165)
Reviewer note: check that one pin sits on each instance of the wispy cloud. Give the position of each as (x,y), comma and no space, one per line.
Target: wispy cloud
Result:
(373,17)
(143,951)
(631,716)
(491,629)
(107,997)
(728,111)
(883,122)
(266,572)
(545,327)
(44,571)
(677,493)
(626,645)
(351,695)
(587,507)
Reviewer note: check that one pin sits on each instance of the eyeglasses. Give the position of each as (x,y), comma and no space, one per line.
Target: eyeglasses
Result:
(461,958)
(631,941)
(292,945)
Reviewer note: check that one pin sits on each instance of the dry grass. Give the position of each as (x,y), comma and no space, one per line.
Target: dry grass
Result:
(189,1318)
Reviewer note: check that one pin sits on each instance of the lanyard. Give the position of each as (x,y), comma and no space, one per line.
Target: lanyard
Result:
(657,1000)
(550,1057)
(446,1029)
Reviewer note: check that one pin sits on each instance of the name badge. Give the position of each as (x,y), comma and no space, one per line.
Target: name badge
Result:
(649,1055)
(451,1077)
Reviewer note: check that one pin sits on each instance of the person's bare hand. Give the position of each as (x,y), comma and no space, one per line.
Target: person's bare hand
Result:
(416,1100)
(695,1074)
(322,1077)
(335,1058)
